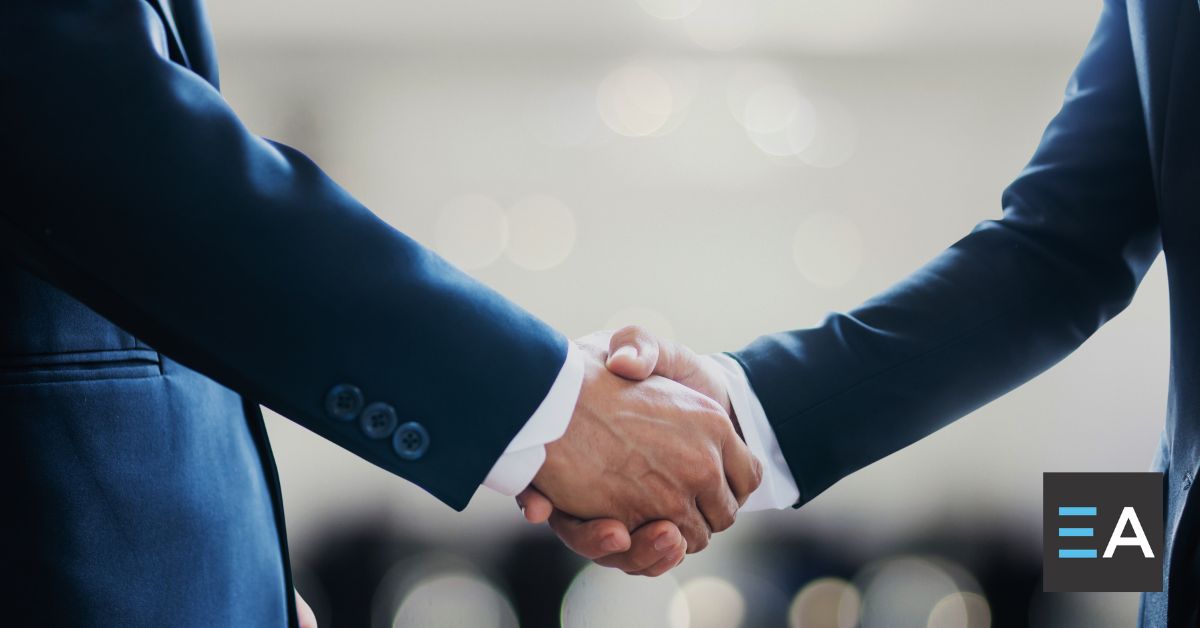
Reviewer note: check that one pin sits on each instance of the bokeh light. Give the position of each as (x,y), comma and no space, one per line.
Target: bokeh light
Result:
(961,610)
(635,100)
(772,108)
(541,232)
(747,79)
(713,602)
(835,135)
(456,600)
(828,249)
(785,117)
(652,320)
(600,597)
(902,592)
(683,77)
(825,603)
(471,231)
(779,120)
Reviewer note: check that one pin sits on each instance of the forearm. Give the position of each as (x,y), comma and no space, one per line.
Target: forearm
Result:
(961,332)
(1003,304)
(150,202)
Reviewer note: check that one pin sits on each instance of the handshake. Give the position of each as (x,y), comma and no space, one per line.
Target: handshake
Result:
(652,463)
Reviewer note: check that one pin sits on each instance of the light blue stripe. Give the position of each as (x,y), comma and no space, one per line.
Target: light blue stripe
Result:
(1076,553)
(1075,532)
(1077,511)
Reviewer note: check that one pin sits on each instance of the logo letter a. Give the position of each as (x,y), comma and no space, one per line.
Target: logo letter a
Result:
(1128,516)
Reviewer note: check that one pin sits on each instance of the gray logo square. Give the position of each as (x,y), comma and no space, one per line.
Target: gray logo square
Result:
(1098,529)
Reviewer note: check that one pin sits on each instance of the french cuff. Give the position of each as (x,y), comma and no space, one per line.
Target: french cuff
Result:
(778,489)
(523,457)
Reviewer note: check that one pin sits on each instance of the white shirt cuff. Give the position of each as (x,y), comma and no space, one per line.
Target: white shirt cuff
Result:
(526,452)
(778,489)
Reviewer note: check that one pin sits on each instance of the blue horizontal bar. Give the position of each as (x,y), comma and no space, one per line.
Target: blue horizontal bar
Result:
(1076,553)
(1075,531)
(1077,511)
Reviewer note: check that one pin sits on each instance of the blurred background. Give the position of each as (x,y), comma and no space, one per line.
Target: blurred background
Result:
(716,170)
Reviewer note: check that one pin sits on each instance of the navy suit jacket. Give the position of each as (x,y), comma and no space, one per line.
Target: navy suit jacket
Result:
(162,272)
(1115,180)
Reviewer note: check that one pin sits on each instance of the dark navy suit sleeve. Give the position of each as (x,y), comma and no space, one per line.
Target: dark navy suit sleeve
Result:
(1078,232)
(129,183)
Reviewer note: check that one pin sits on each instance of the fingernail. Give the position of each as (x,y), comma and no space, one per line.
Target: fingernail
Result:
(629,351)
(665,541)
(610,544)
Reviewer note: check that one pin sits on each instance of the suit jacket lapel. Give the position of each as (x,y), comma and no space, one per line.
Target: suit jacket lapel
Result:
(173,40)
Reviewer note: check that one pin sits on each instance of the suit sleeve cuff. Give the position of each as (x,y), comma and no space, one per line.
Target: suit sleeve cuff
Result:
(526,452)
(778,489)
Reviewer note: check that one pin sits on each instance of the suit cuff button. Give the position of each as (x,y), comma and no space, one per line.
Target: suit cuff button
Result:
(343,402)
(410,441)
(377,421)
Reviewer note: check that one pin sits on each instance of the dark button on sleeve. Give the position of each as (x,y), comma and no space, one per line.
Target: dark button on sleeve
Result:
(343,402)
(410,441)
(378,420)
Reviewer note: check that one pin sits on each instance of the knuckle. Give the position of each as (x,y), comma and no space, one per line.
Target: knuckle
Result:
(628,333)
(685,508)
(675,503)
(718,426)
(757,477)
(703,462)
(708,407)
(697,538)
(709,416)
(713,469)
(713,410)
(693,473)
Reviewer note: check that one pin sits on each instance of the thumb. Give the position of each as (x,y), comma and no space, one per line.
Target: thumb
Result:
(536,507)
(633,353)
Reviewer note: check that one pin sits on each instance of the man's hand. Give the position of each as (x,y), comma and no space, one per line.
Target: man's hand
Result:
(635,353)
(637,452)
(656,547)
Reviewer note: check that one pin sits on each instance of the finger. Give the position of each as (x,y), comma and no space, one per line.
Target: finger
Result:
(743,471)
(694,528)
(595,344)
(632,352)
(669,562)
(719,506)
(592,539)
(536,507)
(650,544)
(304,614)
(670,360)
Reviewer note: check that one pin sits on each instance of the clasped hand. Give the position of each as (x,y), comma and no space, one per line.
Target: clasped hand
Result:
(651,448)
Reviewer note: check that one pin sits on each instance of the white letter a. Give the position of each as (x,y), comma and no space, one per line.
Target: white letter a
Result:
(1128,515)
